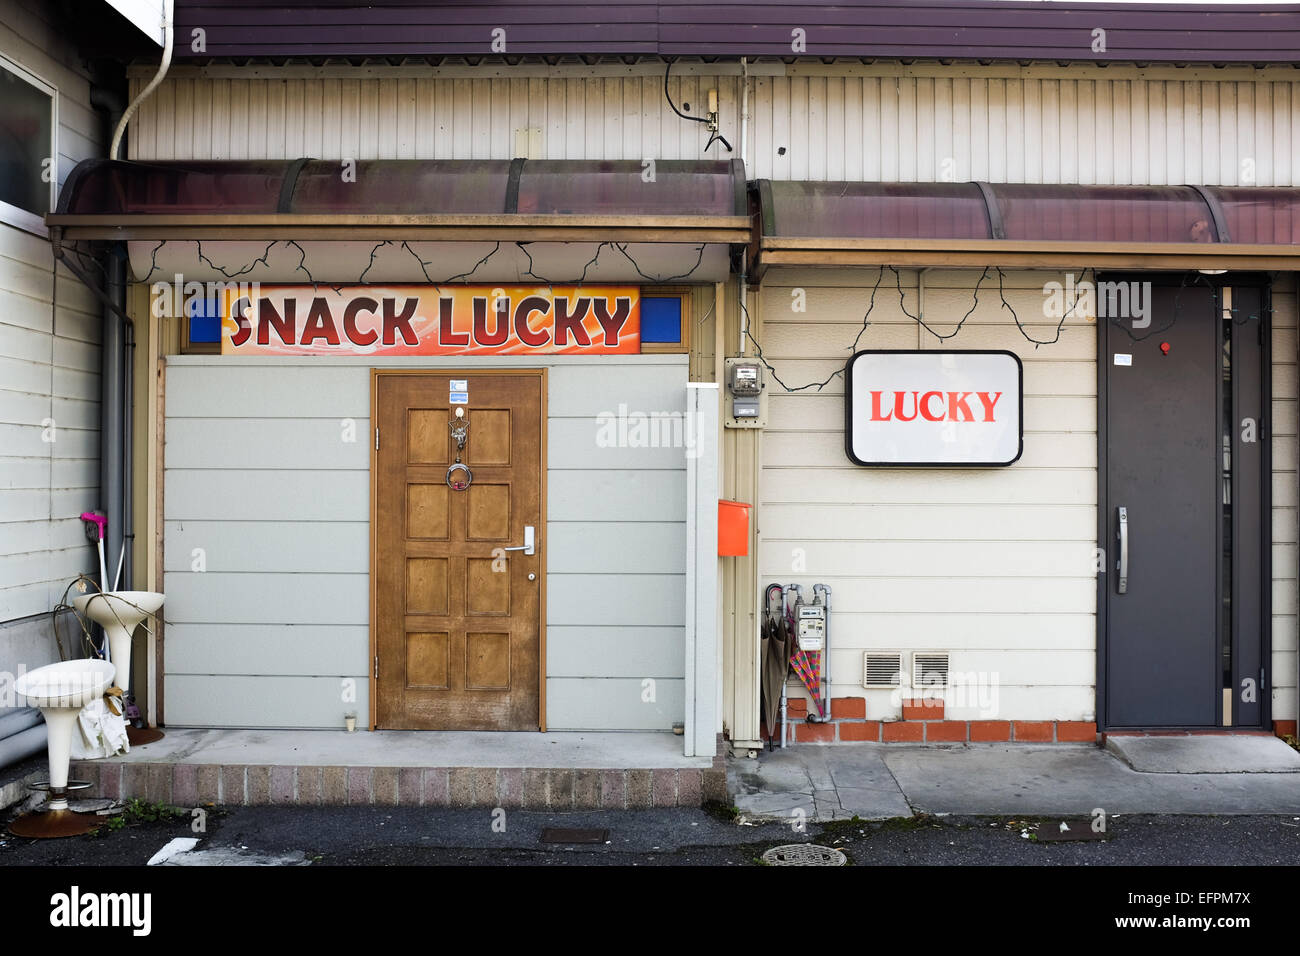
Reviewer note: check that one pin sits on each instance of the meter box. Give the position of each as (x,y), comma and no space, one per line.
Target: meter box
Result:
(811,627)
(746,393)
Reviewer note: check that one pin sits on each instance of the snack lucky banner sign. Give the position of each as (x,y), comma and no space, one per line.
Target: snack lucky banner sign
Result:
(430,320)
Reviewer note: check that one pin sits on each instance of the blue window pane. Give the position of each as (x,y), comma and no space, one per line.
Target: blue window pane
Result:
(205,321)
(661,319)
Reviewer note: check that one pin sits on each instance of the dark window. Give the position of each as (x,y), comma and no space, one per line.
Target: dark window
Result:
(26,125)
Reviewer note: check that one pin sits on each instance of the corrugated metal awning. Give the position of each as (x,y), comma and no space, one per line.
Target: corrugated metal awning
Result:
(1026,225)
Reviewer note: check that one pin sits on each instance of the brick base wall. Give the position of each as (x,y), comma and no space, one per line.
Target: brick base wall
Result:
(923,722)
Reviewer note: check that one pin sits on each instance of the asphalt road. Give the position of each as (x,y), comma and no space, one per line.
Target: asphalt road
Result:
(369,836)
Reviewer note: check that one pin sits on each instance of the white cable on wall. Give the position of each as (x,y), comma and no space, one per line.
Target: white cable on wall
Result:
(169,9)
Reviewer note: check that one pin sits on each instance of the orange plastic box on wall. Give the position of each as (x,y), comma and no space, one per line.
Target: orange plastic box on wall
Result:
(733,529)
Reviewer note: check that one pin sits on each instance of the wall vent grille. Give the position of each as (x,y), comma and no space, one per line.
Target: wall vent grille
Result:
(881,670)
(929,670)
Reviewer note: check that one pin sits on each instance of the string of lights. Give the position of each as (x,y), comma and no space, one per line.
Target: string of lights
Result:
(1195,278)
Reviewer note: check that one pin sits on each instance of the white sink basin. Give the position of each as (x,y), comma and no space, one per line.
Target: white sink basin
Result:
(60,691)
(118,613)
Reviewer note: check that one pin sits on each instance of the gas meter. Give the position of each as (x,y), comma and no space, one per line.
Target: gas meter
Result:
(811,626)
(748,406)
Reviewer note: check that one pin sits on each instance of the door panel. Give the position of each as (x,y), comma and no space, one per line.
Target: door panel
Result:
(1163,456)
(458,626)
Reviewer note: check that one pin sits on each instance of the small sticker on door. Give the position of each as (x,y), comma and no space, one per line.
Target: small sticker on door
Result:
(1123,358)
(459,391)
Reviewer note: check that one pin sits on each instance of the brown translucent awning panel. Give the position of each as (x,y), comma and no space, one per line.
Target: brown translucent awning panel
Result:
(857,210)
(1103,213)
(406,188)
(632,188)
(1259,214)
(120,188)
(382,187)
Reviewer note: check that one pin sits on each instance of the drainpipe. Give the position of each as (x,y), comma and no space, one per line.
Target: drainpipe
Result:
(22,733)
(114,399)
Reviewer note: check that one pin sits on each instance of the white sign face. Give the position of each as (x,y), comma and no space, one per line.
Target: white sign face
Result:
(933,408)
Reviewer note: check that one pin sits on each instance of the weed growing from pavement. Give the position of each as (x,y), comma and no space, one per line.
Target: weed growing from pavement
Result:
(137,811)
(722,812)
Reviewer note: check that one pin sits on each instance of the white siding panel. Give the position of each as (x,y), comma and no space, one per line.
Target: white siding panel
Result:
(206,700)
(614,703)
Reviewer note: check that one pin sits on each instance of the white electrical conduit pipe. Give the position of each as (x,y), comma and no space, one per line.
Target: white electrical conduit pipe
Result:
(169,11)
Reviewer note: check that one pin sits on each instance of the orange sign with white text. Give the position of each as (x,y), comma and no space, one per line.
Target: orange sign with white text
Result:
(430,320)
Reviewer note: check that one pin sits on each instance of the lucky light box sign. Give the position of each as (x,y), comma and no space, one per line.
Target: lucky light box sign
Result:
(430,320)
(915,409)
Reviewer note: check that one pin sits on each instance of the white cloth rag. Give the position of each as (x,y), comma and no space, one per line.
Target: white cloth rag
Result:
(99,733)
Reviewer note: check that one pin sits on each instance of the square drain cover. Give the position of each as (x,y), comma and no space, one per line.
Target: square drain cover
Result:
(573,835)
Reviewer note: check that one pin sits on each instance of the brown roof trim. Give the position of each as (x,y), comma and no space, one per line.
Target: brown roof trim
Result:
(965,253)
(980,30)
(522,228)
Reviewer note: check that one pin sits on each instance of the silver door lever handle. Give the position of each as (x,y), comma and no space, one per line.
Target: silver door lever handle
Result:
(529,546)
(1122,585)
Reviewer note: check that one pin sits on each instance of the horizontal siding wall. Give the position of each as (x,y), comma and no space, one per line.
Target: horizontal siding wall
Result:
(986,563)
(807,121)
(49,361)
(259,480)
(994,565)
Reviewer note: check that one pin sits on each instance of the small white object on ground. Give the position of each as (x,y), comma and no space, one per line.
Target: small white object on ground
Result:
(173,848)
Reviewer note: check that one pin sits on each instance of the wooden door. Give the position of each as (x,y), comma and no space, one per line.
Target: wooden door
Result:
(457,618)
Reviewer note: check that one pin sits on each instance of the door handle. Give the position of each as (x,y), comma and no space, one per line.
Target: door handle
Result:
(529,545)
(1122,584)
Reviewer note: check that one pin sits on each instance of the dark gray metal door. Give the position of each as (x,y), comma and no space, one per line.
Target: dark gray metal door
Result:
(1163,460)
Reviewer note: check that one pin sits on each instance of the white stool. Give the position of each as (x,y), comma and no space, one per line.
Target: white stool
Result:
(60,691)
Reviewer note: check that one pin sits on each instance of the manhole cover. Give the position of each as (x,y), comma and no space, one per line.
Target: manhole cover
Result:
(804,854)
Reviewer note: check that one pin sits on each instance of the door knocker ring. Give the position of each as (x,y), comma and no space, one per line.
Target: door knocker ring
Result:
(459,484)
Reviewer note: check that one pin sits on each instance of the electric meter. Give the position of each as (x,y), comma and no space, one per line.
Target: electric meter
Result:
(745,383)
(811,627)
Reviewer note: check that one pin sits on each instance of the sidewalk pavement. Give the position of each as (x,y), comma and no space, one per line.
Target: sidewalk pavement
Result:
(880,781)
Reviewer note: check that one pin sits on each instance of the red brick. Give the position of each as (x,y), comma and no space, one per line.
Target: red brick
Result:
(796,707)
(902,731)
(814,733)
(990,731)
(1036,731)
(925,708)
(945,731)
(855,731)
(849,708)
(1076,730)
(1283,727)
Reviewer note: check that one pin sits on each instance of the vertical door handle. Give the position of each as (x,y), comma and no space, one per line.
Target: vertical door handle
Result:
(1122,585)
(529,545)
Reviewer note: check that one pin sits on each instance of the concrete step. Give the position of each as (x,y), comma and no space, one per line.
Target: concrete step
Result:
(552,771)
(554,788)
